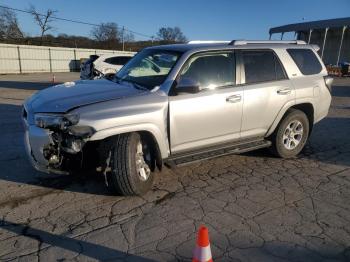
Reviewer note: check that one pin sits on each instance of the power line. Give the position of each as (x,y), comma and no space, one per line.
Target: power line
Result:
(74,21)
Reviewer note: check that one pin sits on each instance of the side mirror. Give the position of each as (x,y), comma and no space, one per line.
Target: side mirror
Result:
(187,86)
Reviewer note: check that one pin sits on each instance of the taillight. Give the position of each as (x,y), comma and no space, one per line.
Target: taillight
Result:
(328,81)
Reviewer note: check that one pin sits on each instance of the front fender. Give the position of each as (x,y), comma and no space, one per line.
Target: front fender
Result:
(148,127)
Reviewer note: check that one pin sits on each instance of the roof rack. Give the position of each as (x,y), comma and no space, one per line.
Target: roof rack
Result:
(208,42)
(247,42)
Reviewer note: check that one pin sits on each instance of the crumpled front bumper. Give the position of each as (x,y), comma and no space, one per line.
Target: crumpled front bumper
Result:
(46,151)
(35,139)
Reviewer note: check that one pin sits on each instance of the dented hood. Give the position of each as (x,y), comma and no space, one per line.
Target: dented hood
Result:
(64,97)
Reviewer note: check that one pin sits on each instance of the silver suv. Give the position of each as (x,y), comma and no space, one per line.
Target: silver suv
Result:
(176,104)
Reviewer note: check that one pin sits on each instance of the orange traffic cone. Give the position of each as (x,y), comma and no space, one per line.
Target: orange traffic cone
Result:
(202,252)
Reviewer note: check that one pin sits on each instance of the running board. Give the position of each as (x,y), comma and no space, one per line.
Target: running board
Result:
(213,152)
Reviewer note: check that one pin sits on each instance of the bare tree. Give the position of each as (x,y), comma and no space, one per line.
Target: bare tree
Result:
(9,26)
(43,20)
(105,32)
(171,34)
(129,36)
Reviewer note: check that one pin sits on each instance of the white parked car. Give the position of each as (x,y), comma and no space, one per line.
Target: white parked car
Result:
(105,65)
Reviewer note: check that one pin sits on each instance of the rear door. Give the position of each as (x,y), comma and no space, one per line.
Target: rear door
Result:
(266,90)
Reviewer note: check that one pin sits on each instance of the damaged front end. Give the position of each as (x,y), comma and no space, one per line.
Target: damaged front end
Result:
(64,152)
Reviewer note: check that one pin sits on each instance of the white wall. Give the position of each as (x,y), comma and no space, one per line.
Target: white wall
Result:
(16,59)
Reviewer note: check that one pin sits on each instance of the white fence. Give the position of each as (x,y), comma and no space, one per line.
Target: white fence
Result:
(17,59)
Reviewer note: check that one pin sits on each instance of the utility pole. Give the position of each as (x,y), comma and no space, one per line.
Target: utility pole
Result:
(123,37)
(341,43)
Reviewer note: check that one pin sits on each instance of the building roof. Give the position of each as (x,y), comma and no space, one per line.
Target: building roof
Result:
(321,24)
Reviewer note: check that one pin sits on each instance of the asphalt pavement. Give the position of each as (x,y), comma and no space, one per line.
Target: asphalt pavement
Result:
(257,207)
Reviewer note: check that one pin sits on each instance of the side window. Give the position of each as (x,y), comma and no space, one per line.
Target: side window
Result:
(118,60)
(306,61)
(121,60)
(262,66)
(109,60)
(211,70)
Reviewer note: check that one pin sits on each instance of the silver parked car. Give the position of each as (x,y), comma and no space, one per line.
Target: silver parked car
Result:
(176,104)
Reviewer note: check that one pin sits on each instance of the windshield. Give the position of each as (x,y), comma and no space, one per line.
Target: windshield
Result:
(149,68)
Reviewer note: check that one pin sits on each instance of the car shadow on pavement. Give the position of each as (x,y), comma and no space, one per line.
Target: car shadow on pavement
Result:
(270,251)
(81,247)
(27,85)
(328,143)
(341,91)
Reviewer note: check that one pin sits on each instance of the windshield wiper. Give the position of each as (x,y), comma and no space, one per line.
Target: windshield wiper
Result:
(134,84)
(117,79)
(138,86)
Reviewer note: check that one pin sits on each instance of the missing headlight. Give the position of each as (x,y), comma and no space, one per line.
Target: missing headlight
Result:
(72,145)
(55,121)
(81,131)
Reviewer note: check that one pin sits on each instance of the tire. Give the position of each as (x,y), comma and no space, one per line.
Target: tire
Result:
(287,143)
(125,177)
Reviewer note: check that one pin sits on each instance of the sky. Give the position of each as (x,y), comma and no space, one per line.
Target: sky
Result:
(199,20)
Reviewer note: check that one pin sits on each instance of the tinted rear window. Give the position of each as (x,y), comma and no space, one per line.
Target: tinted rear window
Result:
(262,66)
(118,60)
(306,61)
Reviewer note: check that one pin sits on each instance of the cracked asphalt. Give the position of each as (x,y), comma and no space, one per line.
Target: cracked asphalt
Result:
(257,207)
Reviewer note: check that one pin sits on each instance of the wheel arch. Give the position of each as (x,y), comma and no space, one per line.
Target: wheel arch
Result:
(306,107)
(147,133)
(309,110)
(145,128)
(152,141)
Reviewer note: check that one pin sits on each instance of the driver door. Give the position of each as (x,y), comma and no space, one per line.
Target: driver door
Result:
(213,115)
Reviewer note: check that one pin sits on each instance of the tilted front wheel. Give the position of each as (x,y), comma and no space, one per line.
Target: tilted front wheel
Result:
(130,166)
(291,134)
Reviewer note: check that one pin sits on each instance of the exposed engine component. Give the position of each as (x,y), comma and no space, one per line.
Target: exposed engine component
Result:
(66,149)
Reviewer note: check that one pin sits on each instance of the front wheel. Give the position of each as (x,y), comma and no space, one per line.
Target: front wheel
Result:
(130,166)
(291,134)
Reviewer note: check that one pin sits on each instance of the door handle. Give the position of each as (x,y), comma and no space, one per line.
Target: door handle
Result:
(284,91)
(233,99)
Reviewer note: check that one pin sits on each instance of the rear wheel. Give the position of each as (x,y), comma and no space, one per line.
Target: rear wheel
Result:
(130,164)
(291,134)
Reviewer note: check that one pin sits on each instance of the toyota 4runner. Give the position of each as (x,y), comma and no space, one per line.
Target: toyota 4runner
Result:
(176,104)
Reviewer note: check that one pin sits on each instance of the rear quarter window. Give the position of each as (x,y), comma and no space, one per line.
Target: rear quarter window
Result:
(306,61)
(262,66)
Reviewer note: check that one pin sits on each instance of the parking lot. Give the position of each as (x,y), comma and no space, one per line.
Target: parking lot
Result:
(257,207)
